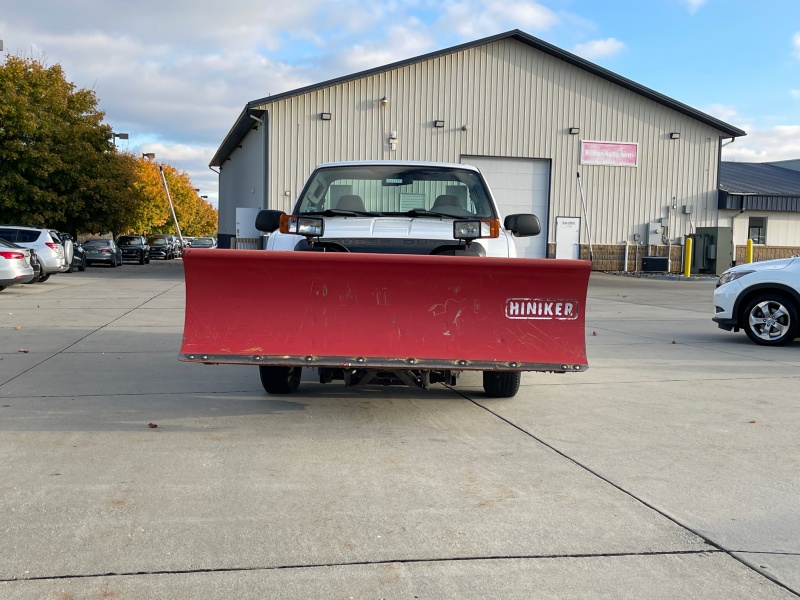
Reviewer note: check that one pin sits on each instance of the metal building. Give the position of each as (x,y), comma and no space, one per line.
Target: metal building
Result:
(530,115)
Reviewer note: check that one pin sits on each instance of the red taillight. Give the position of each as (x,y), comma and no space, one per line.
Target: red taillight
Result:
(12,255)
(53,246)
(107,250)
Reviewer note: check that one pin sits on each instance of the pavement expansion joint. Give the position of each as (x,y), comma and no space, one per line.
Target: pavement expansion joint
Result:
(364,563)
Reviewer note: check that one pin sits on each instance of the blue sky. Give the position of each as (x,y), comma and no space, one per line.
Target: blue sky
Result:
(176,74)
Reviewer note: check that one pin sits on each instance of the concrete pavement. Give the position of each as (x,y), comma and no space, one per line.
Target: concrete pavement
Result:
(667,470)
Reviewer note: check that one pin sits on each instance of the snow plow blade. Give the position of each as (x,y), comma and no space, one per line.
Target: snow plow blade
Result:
(351,310)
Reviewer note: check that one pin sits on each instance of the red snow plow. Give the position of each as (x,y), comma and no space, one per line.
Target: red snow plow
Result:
(368,318)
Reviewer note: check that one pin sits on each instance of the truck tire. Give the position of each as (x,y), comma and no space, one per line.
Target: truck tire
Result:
(280,380)
(770,319)
(501,384)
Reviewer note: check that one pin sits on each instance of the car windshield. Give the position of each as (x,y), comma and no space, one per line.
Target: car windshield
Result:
(385,190)
(129,241)
(157,242)
(200,242)
(98,243)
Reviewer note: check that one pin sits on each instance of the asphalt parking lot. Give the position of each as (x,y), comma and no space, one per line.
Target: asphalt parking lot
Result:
(670,469)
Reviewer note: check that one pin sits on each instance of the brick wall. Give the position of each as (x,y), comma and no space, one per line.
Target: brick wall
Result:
(766,252)
(611,257)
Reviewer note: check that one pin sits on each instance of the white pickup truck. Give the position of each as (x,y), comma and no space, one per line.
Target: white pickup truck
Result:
(388,273)
(397,208)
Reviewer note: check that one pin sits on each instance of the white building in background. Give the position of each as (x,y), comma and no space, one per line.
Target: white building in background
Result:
(530,115)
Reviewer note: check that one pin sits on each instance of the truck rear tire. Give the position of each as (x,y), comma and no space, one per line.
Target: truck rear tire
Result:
(501,384)
(280,380)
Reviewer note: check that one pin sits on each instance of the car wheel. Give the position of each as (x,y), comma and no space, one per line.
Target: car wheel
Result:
(141,258)
(44,278)
(280,380)
(70,270)
(2,287)
(113,263)
(501,384)
(82,266)
(770,319)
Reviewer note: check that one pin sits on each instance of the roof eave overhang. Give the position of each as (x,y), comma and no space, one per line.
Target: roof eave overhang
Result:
(765,202)
(240,128)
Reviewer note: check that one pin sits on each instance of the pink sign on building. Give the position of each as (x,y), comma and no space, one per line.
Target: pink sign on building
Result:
(612,154)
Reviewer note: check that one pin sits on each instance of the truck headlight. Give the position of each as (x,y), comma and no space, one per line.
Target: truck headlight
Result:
(472,229)
(306,226)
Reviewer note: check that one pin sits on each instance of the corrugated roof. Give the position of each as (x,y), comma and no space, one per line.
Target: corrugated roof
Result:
(243,124)
(759,179)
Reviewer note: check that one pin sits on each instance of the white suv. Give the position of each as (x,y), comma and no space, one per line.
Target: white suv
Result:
(762,298)
(49,251)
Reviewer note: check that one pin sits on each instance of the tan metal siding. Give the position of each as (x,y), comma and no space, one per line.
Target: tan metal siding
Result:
(517,102)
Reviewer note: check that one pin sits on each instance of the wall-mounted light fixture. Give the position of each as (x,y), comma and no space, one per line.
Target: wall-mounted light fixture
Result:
(674,135)
(574,130)
(325,116)
(464,127)
(384,102)
(150,155)
(438,123)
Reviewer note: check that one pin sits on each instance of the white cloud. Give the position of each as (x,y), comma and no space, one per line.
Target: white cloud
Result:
(479,18)
(795,93)
(796,45)
(724,112)
(597,49)
(778,143)
(694,5)
(400,41)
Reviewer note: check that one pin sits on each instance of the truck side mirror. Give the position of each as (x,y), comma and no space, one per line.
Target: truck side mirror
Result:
(268,220)
(523,225)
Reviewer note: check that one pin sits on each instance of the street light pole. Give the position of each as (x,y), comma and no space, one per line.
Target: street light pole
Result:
(122,136)
(151,156)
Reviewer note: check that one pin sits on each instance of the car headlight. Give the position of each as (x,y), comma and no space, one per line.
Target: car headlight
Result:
(729,276)
(471,229)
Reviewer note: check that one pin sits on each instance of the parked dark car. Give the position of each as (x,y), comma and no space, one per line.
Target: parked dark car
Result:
(134,247)
(204,242)
(162,246)
(37,267)
(78,254)
(103,252)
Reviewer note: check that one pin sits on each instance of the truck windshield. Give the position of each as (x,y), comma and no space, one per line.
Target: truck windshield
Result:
(387,190)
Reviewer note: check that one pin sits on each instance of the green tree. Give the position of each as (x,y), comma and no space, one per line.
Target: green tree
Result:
(58,165)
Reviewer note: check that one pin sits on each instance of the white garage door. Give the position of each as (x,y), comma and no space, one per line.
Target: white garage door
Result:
(519,185)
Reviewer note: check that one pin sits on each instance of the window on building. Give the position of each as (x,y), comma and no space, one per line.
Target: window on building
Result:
(757,229)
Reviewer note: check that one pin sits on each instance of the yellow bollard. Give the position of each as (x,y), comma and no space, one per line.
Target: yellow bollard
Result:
(687,258)
(749,256)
